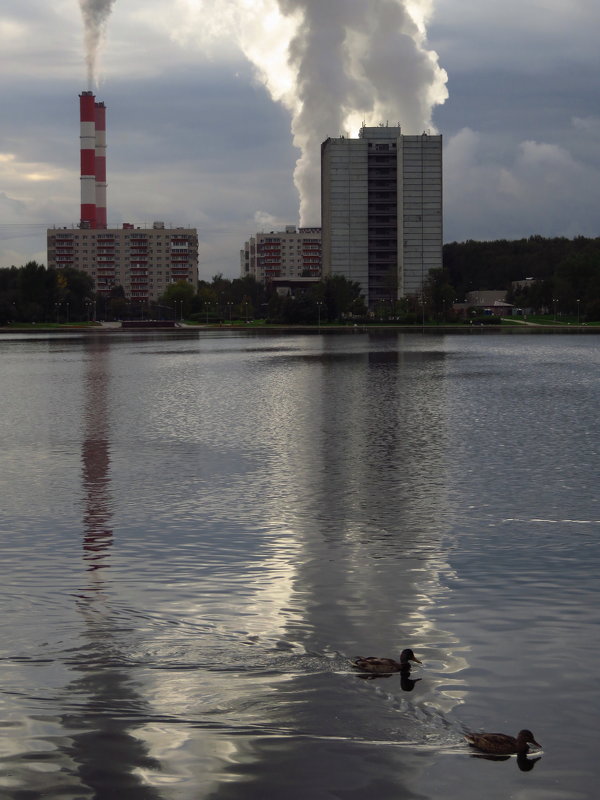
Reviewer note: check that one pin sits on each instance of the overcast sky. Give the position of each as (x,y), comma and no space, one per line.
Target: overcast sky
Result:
(211,104)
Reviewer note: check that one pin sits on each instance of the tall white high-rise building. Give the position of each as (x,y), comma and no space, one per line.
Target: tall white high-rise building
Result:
(381,206)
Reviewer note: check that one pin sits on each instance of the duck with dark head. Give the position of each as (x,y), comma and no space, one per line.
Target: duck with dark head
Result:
(500,744)
(385,666)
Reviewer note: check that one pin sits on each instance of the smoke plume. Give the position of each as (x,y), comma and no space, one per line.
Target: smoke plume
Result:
(334,64)
(95,14)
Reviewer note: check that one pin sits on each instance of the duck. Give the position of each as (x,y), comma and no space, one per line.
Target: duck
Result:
(382,666)
(501,744)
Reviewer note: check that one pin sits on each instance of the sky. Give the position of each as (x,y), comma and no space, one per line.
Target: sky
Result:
(216,110)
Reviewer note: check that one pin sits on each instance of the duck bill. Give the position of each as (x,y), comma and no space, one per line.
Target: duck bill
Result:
(416,660)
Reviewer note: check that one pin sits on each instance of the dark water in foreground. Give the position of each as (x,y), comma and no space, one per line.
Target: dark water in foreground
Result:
(199,530)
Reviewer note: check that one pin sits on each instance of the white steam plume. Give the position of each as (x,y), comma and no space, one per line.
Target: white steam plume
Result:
(95,14)
(334,64)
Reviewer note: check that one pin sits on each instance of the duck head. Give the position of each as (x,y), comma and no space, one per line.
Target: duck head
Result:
(407,655)
(526,737)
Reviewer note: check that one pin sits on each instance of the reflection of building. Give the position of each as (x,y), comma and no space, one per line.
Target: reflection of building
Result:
(382,210)
(95,460)
(143,261)
(293,253)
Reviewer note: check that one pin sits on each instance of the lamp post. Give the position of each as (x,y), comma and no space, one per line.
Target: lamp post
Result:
(207,307)
(229,304)
(578,302)
(555,301)
(319,304)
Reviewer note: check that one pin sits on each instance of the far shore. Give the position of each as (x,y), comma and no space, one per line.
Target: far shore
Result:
(507,327)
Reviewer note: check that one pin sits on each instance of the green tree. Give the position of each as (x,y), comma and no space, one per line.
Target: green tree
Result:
(179,296)
(340,296)
(439,294)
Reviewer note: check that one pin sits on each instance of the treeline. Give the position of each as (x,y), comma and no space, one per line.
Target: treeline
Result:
(330,300)
(566,272)
(34,294)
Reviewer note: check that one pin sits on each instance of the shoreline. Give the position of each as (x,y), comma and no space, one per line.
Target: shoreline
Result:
(117,328)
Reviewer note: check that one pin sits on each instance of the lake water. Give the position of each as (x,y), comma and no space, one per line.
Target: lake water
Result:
(200,529)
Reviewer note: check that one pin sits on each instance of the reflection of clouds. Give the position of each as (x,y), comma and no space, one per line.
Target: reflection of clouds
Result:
(303,493)
(360,446)
(356,469)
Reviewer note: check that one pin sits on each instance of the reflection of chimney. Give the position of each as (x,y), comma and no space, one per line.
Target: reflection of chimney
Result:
(100,165)
(87,118)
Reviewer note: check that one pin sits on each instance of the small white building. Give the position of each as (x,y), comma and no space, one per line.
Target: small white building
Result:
(292,253)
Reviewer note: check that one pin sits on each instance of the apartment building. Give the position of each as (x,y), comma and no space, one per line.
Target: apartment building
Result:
(292,253)
(144,261)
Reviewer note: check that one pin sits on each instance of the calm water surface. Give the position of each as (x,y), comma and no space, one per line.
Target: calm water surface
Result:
(199,530)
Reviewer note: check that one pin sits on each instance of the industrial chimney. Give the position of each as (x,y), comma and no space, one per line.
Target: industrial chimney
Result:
(87,118)
(100,167)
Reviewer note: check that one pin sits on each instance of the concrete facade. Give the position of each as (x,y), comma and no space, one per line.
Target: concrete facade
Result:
(144,261)
(381,206)
(292,253)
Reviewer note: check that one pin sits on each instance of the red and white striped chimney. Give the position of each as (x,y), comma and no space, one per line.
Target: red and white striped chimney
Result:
(87,118)
(100,165)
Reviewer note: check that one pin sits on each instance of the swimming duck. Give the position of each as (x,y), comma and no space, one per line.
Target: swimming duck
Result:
(501,744)
(386,665)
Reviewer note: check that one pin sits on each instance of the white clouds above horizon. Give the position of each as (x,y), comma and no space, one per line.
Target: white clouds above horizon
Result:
(195,139)
(536,181)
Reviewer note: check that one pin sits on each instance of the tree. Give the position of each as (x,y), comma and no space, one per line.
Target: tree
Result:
(439,294)
(339,294)
(179,296)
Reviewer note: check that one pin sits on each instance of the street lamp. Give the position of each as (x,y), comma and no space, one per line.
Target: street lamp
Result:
(319,304)
(207,307)
(578,302)
(555,301)
(229,304)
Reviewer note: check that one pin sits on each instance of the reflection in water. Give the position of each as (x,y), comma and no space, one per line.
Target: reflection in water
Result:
(95,457)
(524,763)
(407,684)
(103,701)
(362,489)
